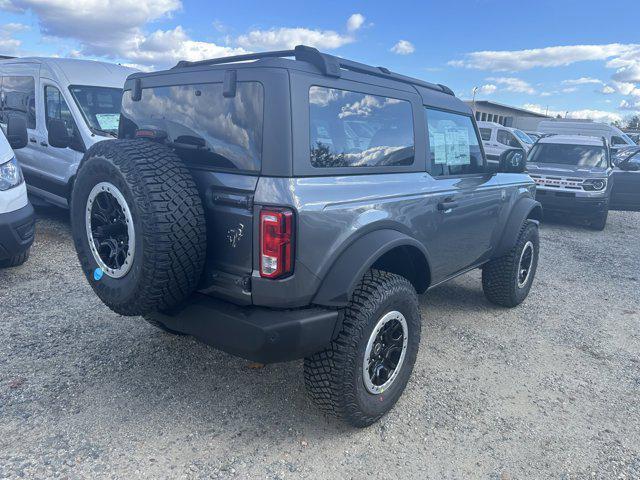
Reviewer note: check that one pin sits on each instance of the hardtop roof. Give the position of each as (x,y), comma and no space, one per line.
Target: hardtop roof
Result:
(311,61)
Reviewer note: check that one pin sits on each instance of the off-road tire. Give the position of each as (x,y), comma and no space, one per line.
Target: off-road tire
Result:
(599,222)
(169,222)
(16,260)
(500,275)
(334,377)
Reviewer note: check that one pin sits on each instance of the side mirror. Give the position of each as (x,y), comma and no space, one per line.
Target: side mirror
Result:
(17,131)
(58,136)
(513,160)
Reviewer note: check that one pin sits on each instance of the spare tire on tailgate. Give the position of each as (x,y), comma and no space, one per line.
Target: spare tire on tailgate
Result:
(138,226)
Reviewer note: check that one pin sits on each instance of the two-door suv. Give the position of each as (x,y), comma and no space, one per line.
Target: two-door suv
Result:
(292,204)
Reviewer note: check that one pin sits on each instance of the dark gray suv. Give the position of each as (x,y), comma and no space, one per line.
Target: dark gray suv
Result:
(292,204)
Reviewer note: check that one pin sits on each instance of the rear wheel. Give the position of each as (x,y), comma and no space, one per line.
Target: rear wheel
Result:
(507,280)
(361,375)
(138,226)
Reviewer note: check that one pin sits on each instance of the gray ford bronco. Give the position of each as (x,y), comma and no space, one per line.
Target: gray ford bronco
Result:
(575,176)
(292,204)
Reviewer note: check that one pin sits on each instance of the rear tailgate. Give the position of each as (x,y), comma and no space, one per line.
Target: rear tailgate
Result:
(228,202)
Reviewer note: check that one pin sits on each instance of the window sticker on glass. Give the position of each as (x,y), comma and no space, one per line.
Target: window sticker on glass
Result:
(108,121)
(457,146)
(439,148)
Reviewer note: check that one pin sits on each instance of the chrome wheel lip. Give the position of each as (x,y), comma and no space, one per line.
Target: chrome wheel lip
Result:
(368,383)
(131,244)
(528,247)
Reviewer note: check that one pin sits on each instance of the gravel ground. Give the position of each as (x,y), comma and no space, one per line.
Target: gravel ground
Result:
(547,390)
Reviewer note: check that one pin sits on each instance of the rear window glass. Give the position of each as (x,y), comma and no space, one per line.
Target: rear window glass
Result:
(578,155)
(351,129)
(201,124)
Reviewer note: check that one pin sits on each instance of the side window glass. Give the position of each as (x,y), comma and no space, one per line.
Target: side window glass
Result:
(485,133)
(56,108)
(352,129)
(19,98)
(615,140)
(506,138)
(454,147)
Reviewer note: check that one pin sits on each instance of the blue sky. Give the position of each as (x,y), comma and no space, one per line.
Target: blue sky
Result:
(580,57)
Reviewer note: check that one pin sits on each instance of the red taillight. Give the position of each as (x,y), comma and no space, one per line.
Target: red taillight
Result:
(276,243)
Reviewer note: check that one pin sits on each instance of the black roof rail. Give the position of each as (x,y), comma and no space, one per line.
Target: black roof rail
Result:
(6,57)
(327,64)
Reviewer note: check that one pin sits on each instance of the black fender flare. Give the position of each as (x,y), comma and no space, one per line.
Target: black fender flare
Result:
(351,265)
(525,208)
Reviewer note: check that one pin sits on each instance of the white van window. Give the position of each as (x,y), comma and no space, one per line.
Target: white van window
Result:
(505,137)
(485,134)
(56,108)
(100,107)
(523,136)
(18,97)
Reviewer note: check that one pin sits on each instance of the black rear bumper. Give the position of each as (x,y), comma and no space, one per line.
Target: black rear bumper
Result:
(569,203)
(256,333)
(17,230)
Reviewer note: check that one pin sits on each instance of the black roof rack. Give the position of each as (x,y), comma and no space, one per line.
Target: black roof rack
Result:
(327,64)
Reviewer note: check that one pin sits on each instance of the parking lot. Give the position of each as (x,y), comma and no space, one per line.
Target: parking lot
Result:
(547,390)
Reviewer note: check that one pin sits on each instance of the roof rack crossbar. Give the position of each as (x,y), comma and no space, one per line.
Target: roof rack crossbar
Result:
(327,64)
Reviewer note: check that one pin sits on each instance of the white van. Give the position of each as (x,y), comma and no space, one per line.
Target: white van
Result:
(497,138)
(616,138)
(17,225)
(68,106)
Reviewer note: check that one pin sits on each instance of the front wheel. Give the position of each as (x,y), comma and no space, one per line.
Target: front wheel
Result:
(507,280)
(360,376)
(16,260)
(599,222)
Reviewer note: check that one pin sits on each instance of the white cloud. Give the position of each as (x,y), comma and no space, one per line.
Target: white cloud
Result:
(513,84)
(286,38)
(596,115)
(167,46)
(100,25)
(582,81)
(487,89)
(403,47)
(354,22)
(608,90)
(8,44)
(116,29)
(518,60)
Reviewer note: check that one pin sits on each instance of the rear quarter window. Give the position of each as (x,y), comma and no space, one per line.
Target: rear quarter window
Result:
(352,129)
(202,125)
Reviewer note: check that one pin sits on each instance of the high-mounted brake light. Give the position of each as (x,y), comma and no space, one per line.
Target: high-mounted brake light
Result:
(276,243)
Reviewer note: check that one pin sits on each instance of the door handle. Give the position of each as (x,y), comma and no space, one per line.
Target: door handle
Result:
(32,140)
(447,205)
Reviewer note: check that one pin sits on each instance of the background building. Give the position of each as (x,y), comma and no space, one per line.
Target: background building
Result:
(486,111)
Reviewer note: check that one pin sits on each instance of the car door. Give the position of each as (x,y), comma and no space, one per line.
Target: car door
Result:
(625,193)
(52,164)
(469,198)
(505,140)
